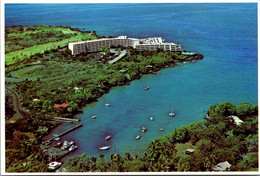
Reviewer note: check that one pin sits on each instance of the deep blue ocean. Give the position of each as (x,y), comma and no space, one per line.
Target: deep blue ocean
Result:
(226,34)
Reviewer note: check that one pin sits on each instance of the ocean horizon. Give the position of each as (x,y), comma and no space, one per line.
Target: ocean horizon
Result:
(225,33)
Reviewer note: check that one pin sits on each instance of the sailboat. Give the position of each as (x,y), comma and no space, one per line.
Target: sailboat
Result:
(108,137)
(146,87)
(108,104)
(171,114)
(105,147)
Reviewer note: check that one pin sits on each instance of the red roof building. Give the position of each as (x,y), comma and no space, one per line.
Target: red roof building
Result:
(63,105)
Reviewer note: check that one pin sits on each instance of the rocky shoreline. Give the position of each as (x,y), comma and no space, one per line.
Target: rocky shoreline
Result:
(173,63)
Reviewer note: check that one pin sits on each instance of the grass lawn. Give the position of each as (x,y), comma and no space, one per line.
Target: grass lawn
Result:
(63,30)
(15,56)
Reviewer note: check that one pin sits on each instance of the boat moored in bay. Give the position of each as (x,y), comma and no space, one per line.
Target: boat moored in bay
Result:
(143,129)
(93,117)
(146,87)
(108,137)
(108,105)
(73,147)
(105,147)
(171,114)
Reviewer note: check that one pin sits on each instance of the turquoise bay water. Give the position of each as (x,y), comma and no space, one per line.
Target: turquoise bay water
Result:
(226,34)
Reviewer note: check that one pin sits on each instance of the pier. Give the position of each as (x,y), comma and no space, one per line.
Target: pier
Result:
(65,132)
(66,119)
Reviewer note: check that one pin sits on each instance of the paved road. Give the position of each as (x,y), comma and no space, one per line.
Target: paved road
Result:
(17,104)
(122,54)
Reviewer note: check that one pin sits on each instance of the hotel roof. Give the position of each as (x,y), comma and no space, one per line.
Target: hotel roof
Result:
(145,41)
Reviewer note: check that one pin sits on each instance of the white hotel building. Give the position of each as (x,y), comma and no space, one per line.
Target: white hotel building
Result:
(147,44)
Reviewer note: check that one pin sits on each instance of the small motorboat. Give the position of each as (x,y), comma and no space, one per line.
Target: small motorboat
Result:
(108,137)
(65,145)
(138,137)
(108,105)
(93,117)
(161,129)
(171,114)
(144,129)
(105,147)
(151,118)
(73,147)
(146,87)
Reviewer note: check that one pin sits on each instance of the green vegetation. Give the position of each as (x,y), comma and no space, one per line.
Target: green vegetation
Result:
(216,140)
(25,41)
(54,76)
(17,38)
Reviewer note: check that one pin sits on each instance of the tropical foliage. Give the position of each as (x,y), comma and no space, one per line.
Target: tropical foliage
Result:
(54,76)
(215,140)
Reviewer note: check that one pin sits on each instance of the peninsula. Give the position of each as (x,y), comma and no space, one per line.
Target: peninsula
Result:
(62,73)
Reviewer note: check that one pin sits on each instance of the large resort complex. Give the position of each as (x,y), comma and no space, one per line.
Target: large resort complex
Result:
(147,44)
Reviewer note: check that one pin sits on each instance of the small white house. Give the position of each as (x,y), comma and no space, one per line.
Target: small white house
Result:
(224,166)
(237,120)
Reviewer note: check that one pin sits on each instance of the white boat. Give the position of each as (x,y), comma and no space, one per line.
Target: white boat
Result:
(144,129)
(93,117)
(65,145)
(108,105)
(105,147)
(171,114)
(73,147)
(161,129)
(108,137)
(151,118)
(138,137)
(146,87)
(54,165)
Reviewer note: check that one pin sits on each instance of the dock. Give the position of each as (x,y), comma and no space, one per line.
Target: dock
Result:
(65,132)
(66,119)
